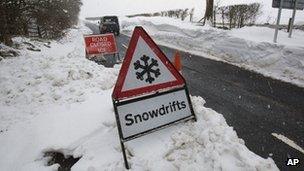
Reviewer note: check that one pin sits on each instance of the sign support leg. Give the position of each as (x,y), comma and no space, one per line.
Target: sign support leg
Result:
(191,107)
(278,22)
(124,155)
(289,23)
(293,18)
(114,59)
(118,57)
(123,149)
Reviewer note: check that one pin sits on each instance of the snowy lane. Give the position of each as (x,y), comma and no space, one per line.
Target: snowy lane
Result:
(253,104)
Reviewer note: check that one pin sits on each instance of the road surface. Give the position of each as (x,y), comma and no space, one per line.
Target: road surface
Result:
(254,105)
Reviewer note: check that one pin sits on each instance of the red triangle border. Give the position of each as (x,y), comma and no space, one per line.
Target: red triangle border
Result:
(117,92)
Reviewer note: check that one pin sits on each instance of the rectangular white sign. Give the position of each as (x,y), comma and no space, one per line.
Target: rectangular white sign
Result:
(141,116)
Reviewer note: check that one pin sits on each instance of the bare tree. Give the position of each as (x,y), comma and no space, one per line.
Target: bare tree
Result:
(184,14)
(209,11)
(239,15)
(48,17)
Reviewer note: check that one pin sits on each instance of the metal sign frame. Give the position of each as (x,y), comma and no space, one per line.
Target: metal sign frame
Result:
(294,4)
(121,98)
(117,103)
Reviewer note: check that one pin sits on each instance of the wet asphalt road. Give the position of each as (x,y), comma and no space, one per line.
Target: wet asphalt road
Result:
(254,105)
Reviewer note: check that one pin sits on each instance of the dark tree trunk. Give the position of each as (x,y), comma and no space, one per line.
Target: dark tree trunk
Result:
(209,11)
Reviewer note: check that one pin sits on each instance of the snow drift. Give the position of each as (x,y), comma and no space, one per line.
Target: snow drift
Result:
(248,47)
(57,100)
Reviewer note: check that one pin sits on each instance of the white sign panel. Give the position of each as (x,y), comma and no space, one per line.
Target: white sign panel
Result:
(147,114)
(146,69)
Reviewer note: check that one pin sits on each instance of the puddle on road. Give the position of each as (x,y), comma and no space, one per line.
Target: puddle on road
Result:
(65,163)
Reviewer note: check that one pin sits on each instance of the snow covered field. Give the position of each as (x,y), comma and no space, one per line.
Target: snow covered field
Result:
(248,47)
(96,8)
(57,100)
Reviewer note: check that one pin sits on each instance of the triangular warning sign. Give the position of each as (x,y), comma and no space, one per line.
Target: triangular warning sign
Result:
(145,69)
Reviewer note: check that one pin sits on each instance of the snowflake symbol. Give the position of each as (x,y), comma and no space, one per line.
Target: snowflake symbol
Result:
(147,69)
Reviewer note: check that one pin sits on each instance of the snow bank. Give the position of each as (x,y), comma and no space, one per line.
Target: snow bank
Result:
(208,144)
(58,75)
(268,14)
(57,100)
(264,34)
(249,47)
(97,8)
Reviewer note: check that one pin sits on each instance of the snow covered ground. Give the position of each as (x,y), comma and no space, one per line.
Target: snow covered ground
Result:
(57,100)
(248,47)
(96,8)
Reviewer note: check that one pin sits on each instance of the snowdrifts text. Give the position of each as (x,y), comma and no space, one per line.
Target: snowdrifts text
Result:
(163,110)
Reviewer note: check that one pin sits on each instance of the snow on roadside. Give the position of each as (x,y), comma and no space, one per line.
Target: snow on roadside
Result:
(264,34)
(57,100)
(56,76)
(95,8)
(249,47)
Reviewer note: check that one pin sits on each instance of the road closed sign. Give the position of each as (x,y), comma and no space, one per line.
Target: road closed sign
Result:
(149,94)
(100,44)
